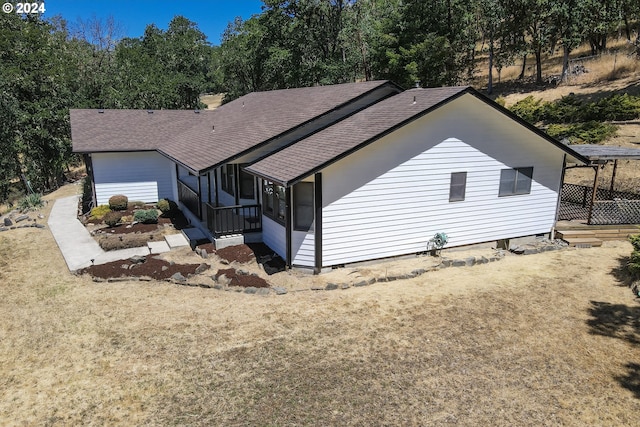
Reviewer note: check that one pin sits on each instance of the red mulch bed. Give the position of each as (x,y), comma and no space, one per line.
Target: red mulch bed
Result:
(238,253)
(136,228)
(152,267)
(209,247)
(243,280)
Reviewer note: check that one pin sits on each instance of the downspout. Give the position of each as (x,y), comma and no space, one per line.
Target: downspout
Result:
(317,238)
(288,225)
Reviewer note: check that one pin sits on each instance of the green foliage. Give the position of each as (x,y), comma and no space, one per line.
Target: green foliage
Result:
(112,218)
(583,133)
(616,107)
(634,260)
(119,202)
(167,207)
(529,109)
(147,216)
(31,202)
(501,101)
(99,212)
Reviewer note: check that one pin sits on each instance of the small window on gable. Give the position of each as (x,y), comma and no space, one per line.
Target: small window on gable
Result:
(303,206)
(458,186)
(515,181)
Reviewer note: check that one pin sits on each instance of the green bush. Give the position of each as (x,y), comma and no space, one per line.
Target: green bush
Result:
(529,109)
(99,212)
(119,202)
(616,107)
(112,218)
(634,260)
(147,216)
(167,207)
(567,109)
(31,201)
(583,133)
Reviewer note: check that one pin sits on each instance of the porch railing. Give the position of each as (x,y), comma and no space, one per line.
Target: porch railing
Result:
(610,207)
(225,220)
(189,198)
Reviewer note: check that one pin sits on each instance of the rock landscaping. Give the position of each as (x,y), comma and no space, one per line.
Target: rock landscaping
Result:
(132,225)
(239,269)
(15,219)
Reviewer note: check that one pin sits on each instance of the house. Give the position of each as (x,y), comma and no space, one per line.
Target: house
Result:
(333,175)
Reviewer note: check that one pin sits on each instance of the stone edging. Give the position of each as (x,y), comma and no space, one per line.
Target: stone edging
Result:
(278,290)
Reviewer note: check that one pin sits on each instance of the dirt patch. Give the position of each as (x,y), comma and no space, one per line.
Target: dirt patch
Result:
(152,267)
(237,278)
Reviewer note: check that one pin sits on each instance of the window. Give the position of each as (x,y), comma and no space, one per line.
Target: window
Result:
(303,206)
(274,202)
(458,186)
(227,173)
(247,190)
(515,181)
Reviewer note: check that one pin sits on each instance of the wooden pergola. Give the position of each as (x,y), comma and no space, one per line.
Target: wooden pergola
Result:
(609,200)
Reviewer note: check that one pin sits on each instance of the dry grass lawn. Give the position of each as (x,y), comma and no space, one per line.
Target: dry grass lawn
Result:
(549,339)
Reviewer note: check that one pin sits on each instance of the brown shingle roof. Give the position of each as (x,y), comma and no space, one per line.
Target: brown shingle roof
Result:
(311,154)
(200,141)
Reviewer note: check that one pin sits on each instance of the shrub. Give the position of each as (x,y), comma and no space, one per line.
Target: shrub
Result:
(31,201)
(634,260)
(583,133)
(99,212)
(616,107)
(119,202)
(567,109)
(501,100)
(529,109)
(112,218)
(167,207)
(147,216)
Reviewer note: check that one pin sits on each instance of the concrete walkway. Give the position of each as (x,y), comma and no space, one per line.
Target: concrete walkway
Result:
(78,248)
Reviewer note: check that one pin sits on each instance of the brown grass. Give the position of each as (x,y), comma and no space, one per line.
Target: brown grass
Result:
(212,101)
(549,339)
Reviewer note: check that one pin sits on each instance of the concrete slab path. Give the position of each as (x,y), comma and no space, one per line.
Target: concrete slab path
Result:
(78,248)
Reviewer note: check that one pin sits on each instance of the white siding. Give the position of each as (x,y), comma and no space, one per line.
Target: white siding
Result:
(273,235)
(303,248)
(391,197)
(144,176)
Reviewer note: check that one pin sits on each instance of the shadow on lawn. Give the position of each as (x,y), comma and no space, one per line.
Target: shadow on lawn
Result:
(622,322)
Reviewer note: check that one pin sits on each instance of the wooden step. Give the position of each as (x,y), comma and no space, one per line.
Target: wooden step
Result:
(568,234)
(583,242)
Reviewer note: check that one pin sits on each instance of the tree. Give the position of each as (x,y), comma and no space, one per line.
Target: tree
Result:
(38,74)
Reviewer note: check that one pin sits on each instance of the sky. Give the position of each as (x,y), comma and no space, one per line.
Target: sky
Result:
(211,16)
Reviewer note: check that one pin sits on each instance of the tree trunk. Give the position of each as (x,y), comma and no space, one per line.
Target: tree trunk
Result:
(538,53)
(565,62)
(524,67)
(626,28)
